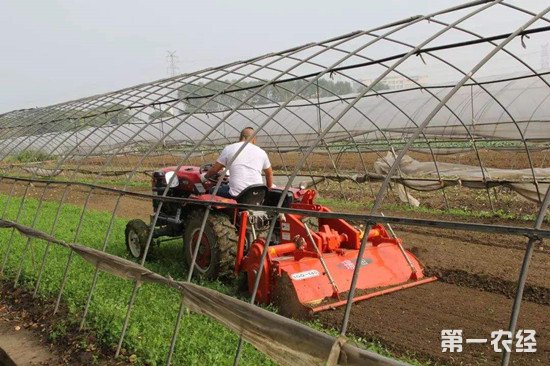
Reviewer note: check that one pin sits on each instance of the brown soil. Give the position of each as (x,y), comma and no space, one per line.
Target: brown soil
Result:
(20,346)
(532,293)
(350,160)
(36,337)
(100,168)
(411,321)
(478,277)
(459,253)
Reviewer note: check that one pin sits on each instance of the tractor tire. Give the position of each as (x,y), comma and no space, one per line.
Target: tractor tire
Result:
(218,248)
(136,235)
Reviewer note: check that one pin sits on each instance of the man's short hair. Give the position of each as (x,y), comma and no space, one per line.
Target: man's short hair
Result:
(246,133)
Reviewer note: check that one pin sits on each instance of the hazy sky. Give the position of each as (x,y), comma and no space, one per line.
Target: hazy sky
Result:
(54,51)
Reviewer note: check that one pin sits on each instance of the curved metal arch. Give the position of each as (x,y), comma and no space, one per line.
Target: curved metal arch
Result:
(309,151)
(252,122)
(472,140)
(217,187)
(351,136)
(21,205)
(488,93)
(448,96)
(452,112)
(537,109)
(278,124)
(31,130)
(535,182)
(95,104)
(397,63)
(371,120)
(326,112)
(291,111)
(118,126)
(145,85)
(514,99)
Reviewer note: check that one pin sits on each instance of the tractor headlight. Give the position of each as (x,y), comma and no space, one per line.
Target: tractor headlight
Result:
(171,179)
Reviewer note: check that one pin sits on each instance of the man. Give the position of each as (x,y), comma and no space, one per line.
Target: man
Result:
(246,169)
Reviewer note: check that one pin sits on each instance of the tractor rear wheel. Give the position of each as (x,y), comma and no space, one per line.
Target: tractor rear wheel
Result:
(217,248)
(136,234)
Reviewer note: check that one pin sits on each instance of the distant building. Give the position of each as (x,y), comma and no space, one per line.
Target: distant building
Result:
(399,82)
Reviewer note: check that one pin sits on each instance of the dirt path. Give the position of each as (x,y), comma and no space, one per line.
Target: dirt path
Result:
(32,335)
(22,346)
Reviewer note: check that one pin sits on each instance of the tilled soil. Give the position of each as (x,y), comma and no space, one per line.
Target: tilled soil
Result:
(515,159)
(503,260)
(346,163)
(478,278)
(411,321)
(532,293)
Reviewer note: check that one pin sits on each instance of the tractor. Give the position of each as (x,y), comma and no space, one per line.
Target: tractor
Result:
(309,263)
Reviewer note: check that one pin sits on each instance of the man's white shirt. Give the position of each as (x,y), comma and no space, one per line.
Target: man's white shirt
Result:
(247,167)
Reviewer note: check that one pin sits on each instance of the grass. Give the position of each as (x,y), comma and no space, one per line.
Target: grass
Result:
(31,156)
(100,182)
(201,341)
(384,145)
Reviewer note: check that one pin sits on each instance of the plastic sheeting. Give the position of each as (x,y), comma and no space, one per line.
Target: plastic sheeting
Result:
(440,175)
(507,109)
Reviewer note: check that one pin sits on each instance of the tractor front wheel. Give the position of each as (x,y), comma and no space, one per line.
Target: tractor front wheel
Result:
(136,232)
(217,247)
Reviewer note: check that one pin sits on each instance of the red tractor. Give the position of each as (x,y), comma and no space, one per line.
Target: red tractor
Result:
(308,265)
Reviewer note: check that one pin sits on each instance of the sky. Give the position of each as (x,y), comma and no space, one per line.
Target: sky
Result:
(55,51)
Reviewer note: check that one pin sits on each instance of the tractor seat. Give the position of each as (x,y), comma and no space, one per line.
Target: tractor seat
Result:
(273,196)
(252,195)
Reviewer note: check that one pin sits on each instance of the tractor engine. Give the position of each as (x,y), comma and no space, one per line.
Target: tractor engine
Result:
(260,220)
(159,184)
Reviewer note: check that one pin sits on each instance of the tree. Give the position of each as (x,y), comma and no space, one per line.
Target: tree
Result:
(109,114)
(376,88)
(194,95)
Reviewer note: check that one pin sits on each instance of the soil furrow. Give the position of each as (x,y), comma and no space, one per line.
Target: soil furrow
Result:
(410,322)
(536,294)
(456,254)
(500,241)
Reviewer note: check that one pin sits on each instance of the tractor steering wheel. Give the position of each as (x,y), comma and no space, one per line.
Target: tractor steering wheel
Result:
(205,168)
